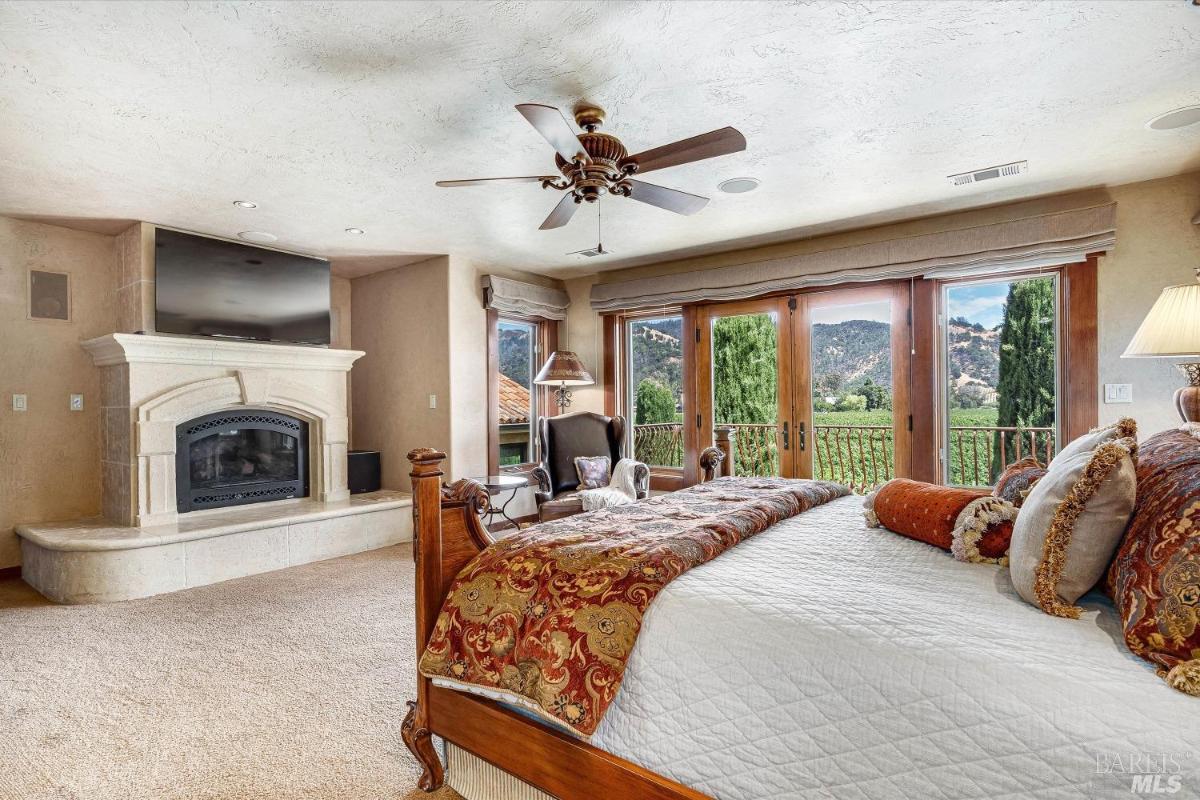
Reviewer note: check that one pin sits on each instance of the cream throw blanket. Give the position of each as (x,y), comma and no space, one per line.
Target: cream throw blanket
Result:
(619,492)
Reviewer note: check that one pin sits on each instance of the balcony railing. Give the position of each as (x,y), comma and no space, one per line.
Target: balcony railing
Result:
(861,456)
(659,445)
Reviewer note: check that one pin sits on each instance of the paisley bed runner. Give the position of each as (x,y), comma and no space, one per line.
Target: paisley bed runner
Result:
(546,618)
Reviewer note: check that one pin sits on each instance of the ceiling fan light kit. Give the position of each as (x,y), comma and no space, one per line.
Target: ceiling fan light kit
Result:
(594,164)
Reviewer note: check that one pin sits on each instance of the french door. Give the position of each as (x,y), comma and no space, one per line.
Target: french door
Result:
(813,385)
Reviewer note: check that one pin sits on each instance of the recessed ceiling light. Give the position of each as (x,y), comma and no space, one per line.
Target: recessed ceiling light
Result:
(258,236)
(738,185)
(1180,117)
(355,231)
(245,204)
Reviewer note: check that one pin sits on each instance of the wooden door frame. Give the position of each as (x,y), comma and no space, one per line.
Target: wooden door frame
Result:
(705,315)
(1078,360)
(898,295)
(616,393)
(547,342)
(1079,365)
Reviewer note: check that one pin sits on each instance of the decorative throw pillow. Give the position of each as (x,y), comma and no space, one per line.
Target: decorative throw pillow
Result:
(1155,578)
(1073,518)
(1018,479)
(970,523)
(592,471)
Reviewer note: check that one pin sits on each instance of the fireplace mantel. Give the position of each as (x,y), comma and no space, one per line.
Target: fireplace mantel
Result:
(153,383)
(132,348)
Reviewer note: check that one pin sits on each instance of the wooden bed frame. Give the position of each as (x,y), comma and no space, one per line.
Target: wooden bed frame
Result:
(447,533)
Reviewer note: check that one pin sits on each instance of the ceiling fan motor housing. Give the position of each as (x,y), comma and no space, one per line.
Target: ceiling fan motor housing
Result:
(605,172)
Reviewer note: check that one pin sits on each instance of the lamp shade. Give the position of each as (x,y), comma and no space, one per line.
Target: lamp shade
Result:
(563,368)
(1172,328)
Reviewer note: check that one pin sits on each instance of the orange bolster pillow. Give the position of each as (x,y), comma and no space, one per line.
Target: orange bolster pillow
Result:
(970,523)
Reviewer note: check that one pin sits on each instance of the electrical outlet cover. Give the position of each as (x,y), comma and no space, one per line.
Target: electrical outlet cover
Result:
(20,402)
(77,402)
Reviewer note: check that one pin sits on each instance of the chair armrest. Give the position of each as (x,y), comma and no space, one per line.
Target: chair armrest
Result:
(543,492)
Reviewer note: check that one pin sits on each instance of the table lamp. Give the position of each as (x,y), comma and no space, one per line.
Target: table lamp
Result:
(561,370)
(1172,330)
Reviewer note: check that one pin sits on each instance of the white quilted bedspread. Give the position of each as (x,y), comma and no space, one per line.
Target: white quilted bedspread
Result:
(823,659)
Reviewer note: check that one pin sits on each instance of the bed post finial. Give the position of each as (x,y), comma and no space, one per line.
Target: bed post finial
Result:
(426,478)
(719,459)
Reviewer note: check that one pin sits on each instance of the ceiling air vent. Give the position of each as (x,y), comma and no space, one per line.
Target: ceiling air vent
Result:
(1002,171)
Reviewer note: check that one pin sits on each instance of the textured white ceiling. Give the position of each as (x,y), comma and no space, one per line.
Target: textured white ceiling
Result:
(332,115)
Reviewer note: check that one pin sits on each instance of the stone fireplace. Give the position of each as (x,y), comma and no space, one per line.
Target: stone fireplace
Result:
(153,385)
(220,459)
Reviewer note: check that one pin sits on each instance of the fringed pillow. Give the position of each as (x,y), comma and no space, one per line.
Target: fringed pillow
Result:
(970,523)
(593,471)
(1073,519)
(1155,578)
(1018,479)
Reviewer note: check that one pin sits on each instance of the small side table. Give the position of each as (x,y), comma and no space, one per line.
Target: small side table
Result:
(498,485)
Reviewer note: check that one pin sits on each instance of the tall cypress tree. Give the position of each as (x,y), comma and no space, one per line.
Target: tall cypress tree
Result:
(746,378)
(1026,383)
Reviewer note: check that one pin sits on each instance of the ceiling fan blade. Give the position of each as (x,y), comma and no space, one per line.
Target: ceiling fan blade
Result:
(555,129)
(707,145)
(482,181)
(562,213)
(670,199)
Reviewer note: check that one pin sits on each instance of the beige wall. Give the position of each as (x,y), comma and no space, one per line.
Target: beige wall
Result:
(584,334)
(399,320)
(1157,246)
(51,455)
(424,329)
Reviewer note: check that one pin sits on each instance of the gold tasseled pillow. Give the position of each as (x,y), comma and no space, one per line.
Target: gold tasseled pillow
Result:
(1072,520)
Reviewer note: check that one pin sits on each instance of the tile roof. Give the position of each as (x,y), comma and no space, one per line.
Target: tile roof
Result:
(514,402)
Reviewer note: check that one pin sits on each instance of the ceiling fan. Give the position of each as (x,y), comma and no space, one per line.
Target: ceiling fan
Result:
(594,164)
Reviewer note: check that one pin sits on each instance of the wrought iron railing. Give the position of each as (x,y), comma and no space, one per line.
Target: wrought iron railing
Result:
(861,456)
(659,445)
(978,454)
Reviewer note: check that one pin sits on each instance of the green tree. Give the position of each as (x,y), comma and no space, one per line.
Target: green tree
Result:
(878,396)
(1026,383)
(745,381)
(654,403)
(851,402)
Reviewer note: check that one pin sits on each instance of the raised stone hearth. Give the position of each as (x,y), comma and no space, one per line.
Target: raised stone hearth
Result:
(95,561)
(143,545)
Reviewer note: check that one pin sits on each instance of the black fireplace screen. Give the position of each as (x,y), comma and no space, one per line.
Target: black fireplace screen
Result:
(235,458)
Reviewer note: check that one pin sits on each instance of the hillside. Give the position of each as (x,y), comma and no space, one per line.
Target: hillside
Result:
(858,350)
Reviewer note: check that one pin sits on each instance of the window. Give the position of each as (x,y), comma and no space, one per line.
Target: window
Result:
(517,346)
(1000,358)
(655,388)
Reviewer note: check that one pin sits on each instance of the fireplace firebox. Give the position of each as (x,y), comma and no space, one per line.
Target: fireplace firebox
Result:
(233,458)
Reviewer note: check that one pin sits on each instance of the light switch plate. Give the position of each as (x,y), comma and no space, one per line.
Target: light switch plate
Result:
(1118,393)
(20,402)
(433,401)
(77,402)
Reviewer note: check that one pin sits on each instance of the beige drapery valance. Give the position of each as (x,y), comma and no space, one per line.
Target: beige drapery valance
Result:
(526,299)
(1063,237)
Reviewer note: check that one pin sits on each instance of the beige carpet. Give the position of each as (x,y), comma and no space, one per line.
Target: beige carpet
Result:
(285,685)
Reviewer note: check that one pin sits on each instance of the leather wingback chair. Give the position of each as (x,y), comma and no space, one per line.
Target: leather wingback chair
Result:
(563,438)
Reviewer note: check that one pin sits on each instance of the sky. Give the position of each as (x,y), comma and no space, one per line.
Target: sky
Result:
(982,303)
(877,311)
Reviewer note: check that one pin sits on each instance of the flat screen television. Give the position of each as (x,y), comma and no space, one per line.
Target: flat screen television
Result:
(211,287)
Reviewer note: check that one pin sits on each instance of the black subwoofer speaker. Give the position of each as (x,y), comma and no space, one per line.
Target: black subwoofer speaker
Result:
(362,474)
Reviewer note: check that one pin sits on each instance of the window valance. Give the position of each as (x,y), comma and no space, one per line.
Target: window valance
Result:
(526,299)
(1039,241)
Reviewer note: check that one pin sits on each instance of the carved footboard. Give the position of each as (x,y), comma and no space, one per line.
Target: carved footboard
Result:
(448,533)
